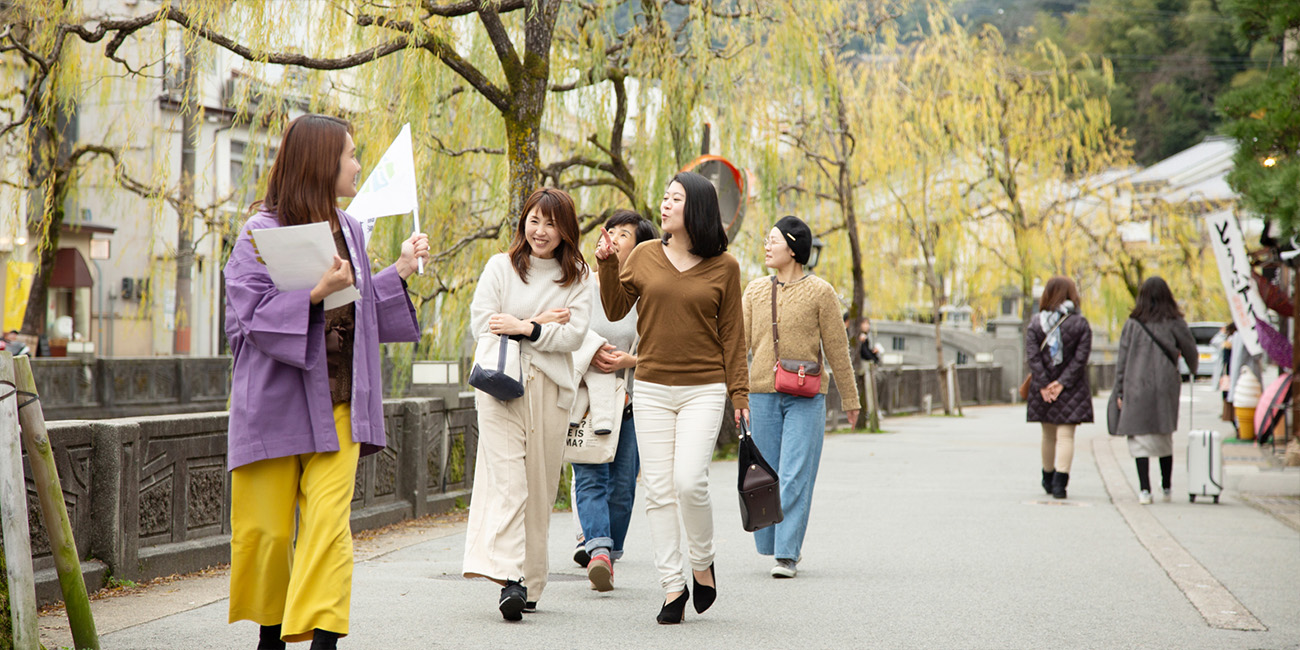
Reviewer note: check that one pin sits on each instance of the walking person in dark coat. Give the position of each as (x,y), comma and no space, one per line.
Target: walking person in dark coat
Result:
(1147,381)
(1058,342)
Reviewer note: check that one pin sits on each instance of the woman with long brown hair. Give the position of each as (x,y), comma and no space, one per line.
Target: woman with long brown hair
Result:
(537,293)
(1147,381)
(306,395)
(1058,343)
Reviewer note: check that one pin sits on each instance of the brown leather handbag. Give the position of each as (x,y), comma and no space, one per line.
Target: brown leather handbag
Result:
(794,377)
(760,489)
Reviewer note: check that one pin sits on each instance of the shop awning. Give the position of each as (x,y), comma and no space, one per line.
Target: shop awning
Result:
(70,270)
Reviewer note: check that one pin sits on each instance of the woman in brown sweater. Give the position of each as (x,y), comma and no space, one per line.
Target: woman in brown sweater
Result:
(686,289)
(789,429)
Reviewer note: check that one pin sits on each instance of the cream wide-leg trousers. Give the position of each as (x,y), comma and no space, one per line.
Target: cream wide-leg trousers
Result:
(676,431)
(516,476)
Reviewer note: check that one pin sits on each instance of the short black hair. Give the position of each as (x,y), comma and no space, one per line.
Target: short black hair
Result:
(702,217)
(645,229)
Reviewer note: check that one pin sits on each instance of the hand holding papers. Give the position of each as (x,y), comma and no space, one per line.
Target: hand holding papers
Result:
(297,257)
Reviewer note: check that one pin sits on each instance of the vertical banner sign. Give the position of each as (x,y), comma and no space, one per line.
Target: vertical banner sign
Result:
(390,188)
(1234,268)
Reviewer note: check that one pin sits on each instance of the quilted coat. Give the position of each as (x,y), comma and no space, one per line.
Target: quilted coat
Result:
(1074,405)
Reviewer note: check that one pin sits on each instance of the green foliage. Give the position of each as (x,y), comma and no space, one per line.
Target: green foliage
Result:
(1171,57)
(1265,118)
(114,582)
(1264,115)
(564,493)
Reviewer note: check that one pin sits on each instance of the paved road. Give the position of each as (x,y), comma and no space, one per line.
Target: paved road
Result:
(934,535)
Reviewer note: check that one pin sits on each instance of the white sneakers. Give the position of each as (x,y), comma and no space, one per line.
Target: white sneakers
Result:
(1145,498)
(1168,496)
(784,569)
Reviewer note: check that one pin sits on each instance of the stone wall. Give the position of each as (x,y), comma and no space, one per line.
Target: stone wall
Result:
(150,496)
(88,388)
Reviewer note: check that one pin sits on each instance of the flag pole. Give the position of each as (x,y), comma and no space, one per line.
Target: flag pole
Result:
(419,261)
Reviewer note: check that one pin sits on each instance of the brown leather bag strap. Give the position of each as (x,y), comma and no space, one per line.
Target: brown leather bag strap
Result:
(776,339)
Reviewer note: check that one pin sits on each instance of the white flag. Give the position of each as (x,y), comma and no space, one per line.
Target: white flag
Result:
(1234,269)
(390,188)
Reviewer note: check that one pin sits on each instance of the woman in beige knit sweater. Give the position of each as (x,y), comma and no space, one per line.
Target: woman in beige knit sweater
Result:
(788,429)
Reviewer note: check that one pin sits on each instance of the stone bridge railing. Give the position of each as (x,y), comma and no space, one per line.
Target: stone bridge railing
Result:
(150,496)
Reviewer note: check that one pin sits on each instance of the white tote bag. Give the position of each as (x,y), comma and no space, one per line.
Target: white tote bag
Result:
(584,447)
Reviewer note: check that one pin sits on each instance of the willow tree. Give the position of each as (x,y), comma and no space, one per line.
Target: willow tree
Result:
(1041,140)
(915,171)
(816,64)
(478,80)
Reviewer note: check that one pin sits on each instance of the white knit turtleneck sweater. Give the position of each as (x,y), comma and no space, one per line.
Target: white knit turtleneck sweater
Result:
(501,291)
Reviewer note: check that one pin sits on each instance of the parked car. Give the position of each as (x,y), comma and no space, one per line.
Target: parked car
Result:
(1209,345)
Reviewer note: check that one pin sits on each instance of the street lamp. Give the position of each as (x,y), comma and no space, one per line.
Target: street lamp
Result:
(815,254)
(1270,161)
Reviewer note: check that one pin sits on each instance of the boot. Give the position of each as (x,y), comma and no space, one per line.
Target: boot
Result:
(1047,481)
(1059,481)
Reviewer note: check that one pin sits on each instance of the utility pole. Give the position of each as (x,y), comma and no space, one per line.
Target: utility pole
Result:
(191,125)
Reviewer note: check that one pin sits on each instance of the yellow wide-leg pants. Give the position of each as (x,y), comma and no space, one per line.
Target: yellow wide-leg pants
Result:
(307,585)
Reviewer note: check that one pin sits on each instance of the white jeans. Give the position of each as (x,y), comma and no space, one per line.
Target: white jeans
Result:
(676,430)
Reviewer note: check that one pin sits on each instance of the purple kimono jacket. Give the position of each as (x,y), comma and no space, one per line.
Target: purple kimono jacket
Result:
(279,395)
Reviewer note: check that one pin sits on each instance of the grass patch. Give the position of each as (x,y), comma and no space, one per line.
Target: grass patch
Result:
(727,451)
(562,501)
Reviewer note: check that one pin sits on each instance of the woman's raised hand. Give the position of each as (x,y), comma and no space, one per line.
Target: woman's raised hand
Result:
(605,247)
(339,276)
(416,247)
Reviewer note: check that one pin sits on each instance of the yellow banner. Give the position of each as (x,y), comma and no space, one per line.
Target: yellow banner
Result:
(18,284)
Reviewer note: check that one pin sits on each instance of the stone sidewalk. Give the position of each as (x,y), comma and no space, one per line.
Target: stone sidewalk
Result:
(933,535)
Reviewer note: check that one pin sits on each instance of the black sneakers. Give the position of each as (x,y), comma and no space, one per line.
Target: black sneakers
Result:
(580,555)
(513,600)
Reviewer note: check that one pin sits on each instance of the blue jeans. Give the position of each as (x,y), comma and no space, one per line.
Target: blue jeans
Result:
(788,431)
(604,494)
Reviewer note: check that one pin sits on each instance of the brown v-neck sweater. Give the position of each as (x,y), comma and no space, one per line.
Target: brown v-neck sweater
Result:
(690,322)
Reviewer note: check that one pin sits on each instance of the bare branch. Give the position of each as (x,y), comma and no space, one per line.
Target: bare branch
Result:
(467,7)
(455,153)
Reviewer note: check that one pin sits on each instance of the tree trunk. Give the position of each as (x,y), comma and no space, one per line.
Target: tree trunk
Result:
(936,302)
(523,151)
(44,225)
(191,126)
(523,119)
(848,210)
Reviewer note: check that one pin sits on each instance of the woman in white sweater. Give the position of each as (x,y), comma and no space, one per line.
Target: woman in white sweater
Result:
(537,293)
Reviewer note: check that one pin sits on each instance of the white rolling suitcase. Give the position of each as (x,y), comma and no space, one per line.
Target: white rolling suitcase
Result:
(1204,460)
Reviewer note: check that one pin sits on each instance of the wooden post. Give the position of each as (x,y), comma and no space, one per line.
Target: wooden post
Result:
(873,404)
(54,512)
(20,576)
(1295,356)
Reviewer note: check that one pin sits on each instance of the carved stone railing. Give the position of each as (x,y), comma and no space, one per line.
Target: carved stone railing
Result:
(150,496)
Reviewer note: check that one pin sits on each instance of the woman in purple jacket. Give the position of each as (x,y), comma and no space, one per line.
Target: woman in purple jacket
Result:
(305,395)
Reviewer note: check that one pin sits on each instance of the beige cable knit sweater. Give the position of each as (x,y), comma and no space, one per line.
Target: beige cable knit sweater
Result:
(809,317)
